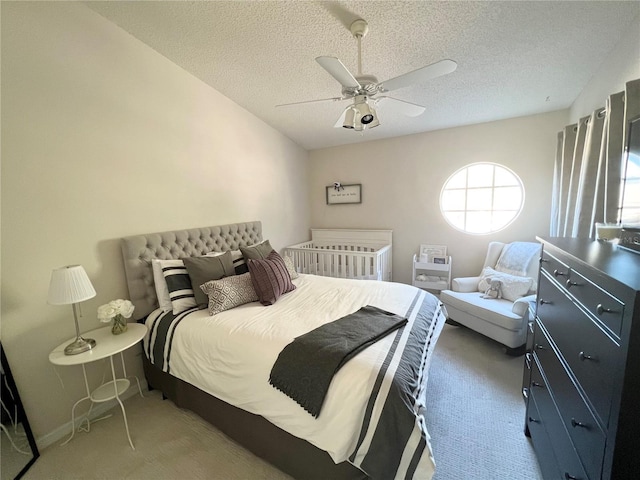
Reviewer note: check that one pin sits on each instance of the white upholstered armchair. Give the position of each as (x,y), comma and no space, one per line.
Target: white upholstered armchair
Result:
(496,303)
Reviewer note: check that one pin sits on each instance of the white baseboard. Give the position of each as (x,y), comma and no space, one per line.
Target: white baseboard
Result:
(99,409)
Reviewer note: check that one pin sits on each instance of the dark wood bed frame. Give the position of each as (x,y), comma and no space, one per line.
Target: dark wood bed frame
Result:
(290,454)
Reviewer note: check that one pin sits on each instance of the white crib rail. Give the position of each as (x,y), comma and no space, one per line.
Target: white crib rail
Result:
(342,261)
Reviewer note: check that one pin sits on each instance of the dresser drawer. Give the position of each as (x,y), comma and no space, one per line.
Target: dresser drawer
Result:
(554,267)
(541,443)
(592,356)
(566,456)
(526,374)
(586,435)
(603,306)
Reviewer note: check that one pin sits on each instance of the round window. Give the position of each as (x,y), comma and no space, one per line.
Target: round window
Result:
(482,198)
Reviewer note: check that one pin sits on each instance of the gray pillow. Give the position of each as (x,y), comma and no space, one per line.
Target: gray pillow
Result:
(257,251)
(204,269)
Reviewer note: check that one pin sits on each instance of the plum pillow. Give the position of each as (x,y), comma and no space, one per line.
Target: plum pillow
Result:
(270,278)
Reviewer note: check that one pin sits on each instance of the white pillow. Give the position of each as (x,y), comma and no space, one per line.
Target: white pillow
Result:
(162,292)
(290,267)
(512,287)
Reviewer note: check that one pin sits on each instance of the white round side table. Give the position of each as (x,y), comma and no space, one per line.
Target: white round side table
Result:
(107,346)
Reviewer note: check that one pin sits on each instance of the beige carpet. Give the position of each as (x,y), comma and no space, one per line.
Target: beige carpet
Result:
(476,423)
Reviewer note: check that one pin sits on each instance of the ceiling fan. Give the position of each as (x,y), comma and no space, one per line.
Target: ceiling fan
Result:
(365,89)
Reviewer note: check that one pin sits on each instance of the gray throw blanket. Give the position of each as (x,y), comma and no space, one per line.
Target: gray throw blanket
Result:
(305,367)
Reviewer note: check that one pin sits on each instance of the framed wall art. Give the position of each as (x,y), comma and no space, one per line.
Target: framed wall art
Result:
(339,194)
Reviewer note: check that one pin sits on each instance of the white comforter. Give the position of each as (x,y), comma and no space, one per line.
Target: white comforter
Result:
(230,356)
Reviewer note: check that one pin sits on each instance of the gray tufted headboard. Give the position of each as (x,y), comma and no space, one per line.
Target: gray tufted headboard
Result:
(138,250)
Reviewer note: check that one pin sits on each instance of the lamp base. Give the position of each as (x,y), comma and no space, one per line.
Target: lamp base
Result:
(80,345)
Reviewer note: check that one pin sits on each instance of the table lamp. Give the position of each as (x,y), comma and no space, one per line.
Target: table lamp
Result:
(70,285)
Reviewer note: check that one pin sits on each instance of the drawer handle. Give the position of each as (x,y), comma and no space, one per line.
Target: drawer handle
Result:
(600,309)
(584,357)
(544,302)
(570,284)
(558,273)
(568,476)
(575,424)
(533,420)
(537,384)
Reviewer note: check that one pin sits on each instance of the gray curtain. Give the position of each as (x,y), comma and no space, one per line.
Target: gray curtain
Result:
(589,168)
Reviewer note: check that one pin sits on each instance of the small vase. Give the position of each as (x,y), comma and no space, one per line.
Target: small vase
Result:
(119,325)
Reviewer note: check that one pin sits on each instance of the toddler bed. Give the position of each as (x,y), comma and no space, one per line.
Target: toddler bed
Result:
(343,253)
(218,366)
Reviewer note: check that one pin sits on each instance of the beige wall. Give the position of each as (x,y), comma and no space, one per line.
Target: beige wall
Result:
(101,138)
(402,178)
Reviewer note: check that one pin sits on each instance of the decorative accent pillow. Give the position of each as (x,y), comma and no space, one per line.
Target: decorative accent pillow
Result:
(203,269)
(229,292)
(161,286)
(511,287)
(239,263)
(270,278)
(178,285)
(257,251)
(290,267)
(516,257)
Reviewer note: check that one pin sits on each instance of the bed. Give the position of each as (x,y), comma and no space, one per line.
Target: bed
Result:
(345,253)
(369,421)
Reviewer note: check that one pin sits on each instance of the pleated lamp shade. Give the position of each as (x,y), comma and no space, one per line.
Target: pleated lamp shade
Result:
(68,285)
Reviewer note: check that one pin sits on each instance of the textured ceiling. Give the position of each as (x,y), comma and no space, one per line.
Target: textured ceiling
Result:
(514,58)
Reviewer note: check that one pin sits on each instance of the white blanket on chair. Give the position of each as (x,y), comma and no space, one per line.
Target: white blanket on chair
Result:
(516,256)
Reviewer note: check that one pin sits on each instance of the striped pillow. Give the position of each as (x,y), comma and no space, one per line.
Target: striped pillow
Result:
(239,263)
(179,285)
(270,278)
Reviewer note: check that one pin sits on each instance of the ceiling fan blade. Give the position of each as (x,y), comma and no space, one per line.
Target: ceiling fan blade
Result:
(434,70)
(334,99)
(338,71)
(409,109)
(340,13)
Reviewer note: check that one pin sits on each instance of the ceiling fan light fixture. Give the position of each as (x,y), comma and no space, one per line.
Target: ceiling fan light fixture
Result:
(350,117)
(374,121)
(367,116)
